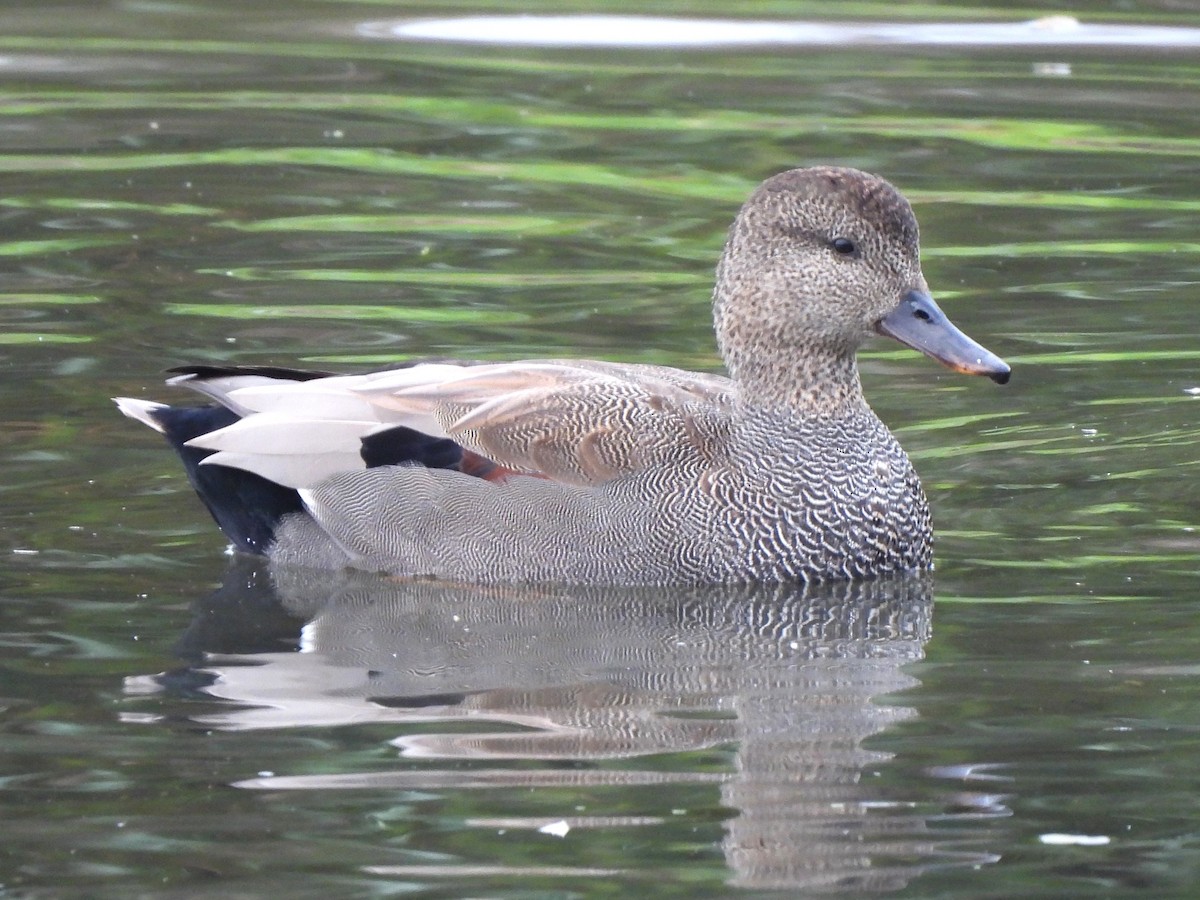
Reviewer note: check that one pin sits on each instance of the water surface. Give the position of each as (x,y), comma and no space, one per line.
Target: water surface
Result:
(293,183)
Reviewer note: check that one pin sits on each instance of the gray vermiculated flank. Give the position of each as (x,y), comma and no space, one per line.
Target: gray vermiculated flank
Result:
(793,478)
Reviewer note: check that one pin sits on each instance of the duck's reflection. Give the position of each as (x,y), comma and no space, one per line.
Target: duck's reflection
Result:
(789,681)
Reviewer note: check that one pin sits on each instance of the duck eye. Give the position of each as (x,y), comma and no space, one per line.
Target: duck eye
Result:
(842,245)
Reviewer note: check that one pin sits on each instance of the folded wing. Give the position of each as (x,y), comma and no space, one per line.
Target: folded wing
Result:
(578,423)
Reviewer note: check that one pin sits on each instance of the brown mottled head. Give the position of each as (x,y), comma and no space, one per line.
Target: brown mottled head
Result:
(863,196)
(815,261)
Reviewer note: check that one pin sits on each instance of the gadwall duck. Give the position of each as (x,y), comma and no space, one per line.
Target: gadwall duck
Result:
(602,472)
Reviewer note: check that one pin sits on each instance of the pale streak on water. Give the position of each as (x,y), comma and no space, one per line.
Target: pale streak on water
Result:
(698,34)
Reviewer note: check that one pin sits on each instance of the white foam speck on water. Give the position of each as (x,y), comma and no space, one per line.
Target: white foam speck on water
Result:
(1075,840)
(556,829)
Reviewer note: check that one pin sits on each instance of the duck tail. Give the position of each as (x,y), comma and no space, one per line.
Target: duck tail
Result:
(246,506)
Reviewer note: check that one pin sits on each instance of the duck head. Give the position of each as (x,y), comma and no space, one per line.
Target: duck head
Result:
(816,263)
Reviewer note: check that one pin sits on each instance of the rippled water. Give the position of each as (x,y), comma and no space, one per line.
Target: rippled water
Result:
(305,182)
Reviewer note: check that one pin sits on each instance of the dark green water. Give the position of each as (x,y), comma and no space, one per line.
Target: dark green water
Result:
(290,183)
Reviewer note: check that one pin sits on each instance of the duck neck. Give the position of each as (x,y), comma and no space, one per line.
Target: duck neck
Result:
(811,383)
